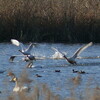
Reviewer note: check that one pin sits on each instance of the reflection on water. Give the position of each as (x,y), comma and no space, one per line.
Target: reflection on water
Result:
(59,82)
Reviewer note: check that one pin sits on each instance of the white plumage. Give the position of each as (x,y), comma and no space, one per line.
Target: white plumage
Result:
(75,55)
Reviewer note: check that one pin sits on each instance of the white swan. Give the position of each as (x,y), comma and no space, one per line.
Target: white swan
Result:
(57,55)
(71,59)
(19,88)
(26,52)
(23,50)
(18,84)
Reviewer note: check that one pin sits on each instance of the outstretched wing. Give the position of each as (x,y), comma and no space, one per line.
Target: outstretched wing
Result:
(29,48)
(17,43)
(11,59)
(58,51)
(81,49)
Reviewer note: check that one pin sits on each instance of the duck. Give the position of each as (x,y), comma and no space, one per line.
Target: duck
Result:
(37,75)
(75,71)
(57,71)
(71,59)
(79,72)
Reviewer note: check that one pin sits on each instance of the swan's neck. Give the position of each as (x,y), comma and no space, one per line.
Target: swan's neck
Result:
(21,51)
(65,57)
(16,84)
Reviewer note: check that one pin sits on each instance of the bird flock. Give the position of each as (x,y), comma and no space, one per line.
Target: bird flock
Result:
(26,53)
(27,56)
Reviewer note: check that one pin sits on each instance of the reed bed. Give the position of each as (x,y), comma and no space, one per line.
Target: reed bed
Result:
(42,91)
(50,20)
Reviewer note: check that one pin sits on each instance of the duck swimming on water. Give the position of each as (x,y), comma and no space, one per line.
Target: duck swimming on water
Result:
(71,59)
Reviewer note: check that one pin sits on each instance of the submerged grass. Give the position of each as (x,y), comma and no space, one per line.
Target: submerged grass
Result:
(50,20)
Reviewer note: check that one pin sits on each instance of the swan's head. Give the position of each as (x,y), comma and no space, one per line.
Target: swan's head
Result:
(10,74)
(20,50)
(14,79)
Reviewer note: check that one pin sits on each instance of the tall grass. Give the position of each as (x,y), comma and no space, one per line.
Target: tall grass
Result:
(50,20)
(42,91)
(45,93)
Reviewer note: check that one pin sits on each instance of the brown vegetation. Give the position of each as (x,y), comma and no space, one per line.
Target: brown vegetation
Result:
(50,20)
(44,92)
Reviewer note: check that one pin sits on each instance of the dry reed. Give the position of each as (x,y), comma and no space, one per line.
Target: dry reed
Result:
(50,20)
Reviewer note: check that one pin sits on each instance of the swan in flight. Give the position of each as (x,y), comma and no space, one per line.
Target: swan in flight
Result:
(71,59)
(28,58)
(57,55)
(25,51)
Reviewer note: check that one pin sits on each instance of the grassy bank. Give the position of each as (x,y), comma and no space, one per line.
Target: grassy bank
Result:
(50,20)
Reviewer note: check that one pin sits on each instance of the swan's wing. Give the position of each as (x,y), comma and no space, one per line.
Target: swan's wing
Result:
(11,59)
(22,47)
(81,49)
(58,51)
(29,48)
(15,42)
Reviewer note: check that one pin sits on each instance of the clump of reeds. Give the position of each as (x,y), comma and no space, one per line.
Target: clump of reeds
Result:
(44,92)
(50,20)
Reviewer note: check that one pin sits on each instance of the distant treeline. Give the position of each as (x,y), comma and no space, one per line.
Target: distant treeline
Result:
(69,21)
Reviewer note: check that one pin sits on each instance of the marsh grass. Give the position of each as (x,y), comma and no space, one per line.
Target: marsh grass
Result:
(44,92)
(50,20)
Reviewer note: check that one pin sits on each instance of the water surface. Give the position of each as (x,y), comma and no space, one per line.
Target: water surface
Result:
(59,82)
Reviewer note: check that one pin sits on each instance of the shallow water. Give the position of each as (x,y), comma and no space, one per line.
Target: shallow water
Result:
(59,82)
